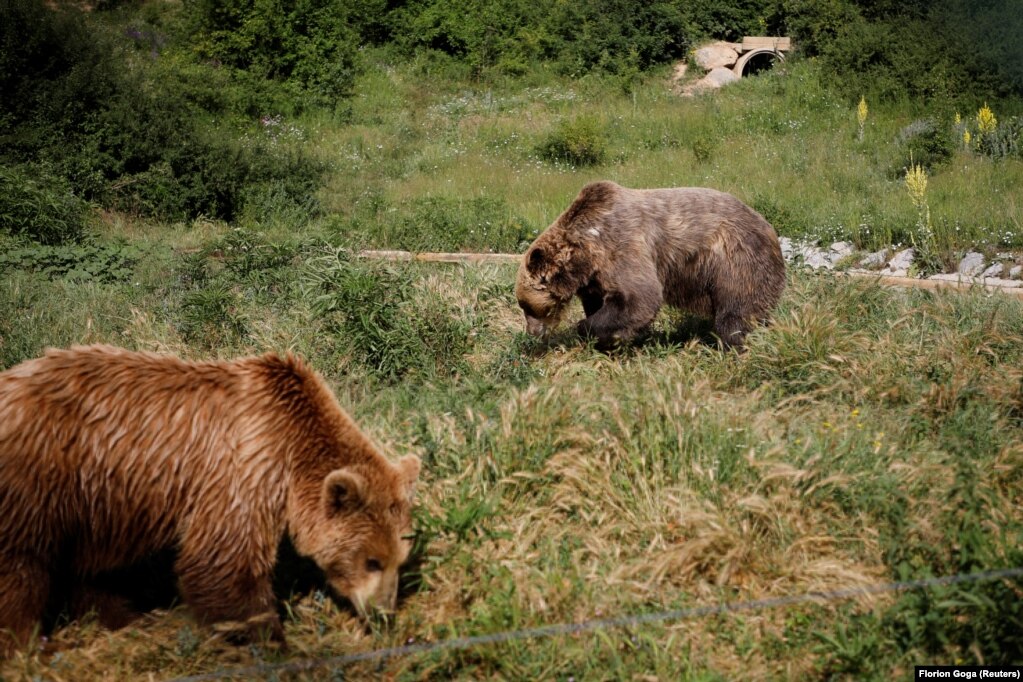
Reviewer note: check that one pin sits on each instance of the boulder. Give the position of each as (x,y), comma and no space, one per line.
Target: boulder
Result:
(972,264)
(875,260)
(716,55)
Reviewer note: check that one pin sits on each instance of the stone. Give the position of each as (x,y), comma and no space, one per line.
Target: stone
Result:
(720,76)
(715,55)
(1015,271)
(712,81)
(972,264)
(875,260)
(993,271)
(816,258)
(840,250)
(786,247)
(900,263)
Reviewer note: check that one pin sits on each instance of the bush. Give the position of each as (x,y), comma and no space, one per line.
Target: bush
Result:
(926,143)
(39,205)
(309,46)
(1006,140)
(577,142)
(382,322)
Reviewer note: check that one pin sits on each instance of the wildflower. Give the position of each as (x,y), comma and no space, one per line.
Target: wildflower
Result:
(986,121)
(966,138)
(957,120)
(861,114)
(916,185)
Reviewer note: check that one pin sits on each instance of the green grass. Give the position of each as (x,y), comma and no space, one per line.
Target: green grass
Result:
(867,435)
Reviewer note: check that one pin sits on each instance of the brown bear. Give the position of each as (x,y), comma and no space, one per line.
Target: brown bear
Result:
(108,455)
(624,252)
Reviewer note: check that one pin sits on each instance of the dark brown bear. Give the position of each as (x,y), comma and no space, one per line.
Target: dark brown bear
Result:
(107,456)
(624,252)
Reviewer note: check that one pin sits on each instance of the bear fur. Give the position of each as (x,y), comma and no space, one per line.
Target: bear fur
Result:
(108,455)
(624,252)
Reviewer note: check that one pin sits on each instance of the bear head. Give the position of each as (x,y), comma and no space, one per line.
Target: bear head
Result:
(551,272)
(361,533)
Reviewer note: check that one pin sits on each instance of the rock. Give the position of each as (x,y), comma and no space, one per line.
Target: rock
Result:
(840,250)
(875,260)
(786,247)
(993,271)
(1015,271)
(899,265)
(712,81)
(972,264)
(720,76)
(902,260)
(816,258)
(715,55)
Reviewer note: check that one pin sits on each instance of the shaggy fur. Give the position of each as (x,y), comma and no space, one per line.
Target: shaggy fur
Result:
(107,456)
(624,252)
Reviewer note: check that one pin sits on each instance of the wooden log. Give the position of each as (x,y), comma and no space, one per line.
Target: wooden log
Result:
(884,280)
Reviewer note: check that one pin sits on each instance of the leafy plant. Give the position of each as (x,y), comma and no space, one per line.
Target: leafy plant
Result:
(578,141)
(374,312)
(39,205)
(89,262)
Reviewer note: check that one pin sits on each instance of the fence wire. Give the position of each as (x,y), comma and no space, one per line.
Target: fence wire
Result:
(560,629)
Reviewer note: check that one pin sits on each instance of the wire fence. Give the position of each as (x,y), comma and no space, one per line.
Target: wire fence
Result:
(561,629)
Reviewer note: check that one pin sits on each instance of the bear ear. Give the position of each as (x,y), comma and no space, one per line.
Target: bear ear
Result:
(343,490)
(409,465)
(536,260)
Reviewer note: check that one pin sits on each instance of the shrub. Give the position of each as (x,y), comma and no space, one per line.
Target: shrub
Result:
(36,204)
(212,317)
(309,46)
(577,142)
(378,317)
(926,143)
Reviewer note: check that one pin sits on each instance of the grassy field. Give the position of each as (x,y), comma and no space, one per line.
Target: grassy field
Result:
(868,435)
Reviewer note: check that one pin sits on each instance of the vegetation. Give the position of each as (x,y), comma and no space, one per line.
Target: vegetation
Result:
(169,180)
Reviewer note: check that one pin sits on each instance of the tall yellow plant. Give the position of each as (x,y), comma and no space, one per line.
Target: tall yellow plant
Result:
(986,121)
(916,186)
(861,114)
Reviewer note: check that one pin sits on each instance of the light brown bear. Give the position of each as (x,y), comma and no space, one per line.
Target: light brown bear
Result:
(108,455)
(624,252)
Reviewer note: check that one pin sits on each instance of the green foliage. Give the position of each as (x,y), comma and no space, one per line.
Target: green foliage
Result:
(136,139)
(1006,140)
(612,36)
(579,141)
(39,205)
(309,46)
(925,142)
(211,317)
(99,262)
(376,314)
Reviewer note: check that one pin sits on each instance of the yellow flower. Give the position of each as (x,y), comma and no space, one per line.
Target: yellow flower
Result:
(958,119)
(861,111)
(916,185)
(986,121)
(967,137)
